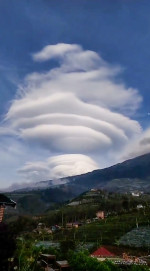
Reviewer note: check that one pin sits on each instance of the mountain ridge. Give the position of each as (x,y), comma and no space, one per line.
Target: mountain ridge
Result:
(126,177)
(135,174)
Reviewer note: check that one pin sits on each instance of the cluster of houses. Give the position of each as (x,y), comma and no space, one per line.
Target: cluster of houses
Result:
(100,215)
(41,226)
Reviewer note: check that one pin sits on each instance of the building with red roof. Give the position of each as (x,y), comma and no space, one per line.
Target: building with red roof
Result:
(102,253)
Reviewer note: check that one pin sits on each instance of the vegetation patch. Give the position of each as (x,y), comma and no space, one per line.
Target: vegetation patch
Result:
(138,237)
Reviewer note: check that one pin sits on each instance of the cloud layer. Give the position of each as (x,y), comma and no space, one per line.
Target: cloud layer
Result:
(75,111)
(57,167)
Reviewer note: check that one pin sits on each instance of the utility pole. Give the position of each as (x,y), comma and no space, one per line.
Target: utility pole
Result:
(62,218)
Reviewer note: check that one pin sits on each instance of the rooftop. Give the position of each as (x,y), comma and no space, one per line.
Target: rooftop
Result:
(102,252)
(6,201)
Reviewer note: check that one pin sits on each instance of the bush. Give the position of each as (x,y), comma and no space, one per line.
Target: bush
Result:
(81,261)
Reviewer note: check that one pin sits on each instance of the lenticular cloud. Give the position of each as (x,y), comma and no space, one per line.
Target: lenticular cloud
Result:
(76,108)
(58,166)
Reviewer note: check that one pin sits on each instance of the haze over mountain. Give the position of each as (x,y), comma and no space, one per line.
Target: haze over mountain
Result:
(131,175)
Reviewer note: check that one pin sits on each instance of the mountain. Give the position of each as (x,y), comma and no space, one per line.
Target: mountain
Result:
(133,170)
(129,176)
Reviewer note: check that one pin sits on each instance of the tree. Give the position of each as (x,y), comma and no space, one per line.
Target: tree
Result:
(26,255)
(67,245)
(81,261)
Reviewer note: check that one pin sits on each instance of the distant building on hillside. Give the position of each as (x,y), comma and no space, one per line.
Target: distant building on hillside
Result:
(74,203)
(100,215)
(77,224)
(135,194)
(73,225)
(55,228)
(139,206)
(102,253)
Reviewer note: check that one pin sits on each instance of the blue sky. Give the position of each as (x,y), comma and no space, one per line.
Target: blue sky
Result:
(119,33)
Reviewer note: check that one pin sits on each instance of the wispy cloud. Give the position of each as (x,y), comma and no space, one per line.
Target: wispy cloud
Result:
(138,147)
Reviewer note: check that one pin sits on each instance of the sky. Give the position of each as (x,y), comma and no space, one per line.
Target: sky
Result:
(74,87)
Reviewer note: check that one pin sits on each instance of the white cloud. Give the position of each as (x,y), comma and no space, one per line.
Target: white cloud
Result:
(57,167)
(87,75)
(68,139)
(62,122)
(54,51)
(77,108)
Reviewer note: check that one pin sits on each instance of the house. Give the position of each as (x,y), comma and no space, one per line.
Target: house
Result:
(94,190)
(41,226)
(135,194)
(102,253)
(73,225)
(88,221)
(74,203)
(100,215)
(55,228)
(63,265)
(69,225)
(5,201)
(2,208)
(139,206)
(77,224)
(48,258)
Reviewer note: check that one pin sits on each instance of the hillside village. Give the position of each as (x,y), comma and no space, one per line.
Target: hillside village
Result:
(102,226)
(79,228)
